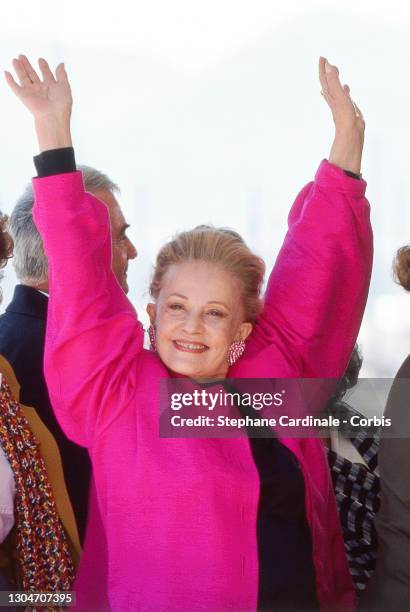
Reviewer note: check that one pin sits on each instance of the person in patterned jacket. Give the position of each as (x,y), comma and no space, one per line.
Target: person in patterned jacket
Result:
(352,456)
(34,553)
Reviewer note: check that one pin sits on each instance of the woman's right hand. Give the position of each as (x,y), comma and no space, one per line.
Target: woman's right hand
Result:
(48,99)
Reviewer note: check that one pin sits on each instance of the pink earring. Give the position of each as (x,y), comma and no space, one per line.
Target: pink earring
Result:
(236,351)
(152,337)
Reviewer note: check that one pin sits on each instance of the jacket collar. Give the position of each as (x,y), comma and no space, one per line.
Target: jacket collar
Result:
(28,301)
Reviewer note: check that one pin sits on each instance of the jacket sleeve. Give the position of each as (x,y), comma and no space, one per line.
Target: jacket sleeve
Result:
(94,339)
(318,288)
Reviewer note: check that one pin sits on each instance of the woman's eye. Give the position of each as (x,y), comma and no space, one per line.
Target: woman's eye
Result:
(215,313)
(175,306)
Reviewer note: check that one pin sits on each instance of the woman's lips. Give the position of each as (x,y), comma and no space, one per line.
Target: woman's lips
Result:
(190,347)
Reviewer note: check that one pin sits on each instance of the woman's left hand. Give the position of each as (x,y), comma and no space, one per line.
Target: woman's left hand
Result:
(347,147)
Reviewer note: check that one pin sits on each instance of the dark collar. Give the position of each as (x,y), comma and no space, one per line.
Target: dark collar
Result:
(28,301)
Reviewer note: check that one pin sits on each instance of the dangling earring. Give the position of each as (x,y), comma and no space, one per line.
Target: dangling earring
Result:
(235,352)
(152,337)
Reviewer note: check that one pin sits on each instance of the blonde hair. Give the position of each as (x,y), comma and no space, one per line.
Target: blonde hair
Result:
(219,246)
(401,267)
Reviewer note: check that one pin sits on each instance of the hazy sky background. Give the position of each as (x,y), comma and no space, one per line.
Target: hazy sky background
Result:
(187,34)
(210,112)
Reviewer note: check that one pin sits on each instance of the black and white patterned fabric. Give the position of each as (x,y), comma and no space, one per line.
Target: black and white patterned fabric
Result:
(357,490)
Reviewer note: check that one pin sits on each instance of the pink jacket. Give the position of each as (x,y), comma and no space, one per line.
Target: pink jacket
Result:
(180,514)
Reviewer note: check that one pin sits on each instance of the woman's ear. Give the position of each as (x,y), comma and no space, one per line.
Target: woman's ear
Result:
(244,330)
(151,310)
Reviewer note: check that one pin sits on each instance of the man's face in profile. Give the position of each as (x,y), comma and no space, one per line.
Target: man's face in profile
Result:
(122,248)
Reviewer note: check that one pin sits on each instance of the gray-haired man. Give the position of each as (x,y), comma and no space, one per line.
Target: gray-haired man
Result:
(22,337)
(29,260)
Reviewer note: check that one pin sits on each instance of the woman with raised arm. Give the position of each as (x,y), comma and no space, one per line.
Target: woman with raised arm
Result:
(203,524)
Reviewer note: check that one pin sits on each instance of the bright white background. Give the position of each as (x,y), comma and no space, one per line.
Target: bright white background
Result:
(211,112)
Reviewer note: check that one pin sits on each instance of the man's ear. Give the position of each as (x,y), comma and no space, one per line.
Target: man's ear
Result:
(151,310)
(244,330)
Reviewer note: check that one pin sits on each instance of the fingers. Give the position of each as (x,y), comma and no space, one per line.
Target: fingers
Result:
(334,86)
(329,79)
(21,72)
(27,75)
(61,74)
(358,112)
(34,78)
(322,75)
(332,89)
(45,71)
(12,83)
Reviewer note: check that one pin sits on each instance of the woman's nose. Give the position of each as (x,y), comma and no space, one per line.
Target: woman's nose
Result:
(192,323)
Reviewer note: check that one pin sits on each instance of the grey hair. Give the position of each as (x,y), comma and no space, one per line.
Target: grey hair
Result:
(29,260)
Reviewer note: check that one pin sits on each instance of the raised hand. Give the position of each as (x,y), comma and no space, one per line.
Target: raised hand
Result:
(347,147)
(48,99)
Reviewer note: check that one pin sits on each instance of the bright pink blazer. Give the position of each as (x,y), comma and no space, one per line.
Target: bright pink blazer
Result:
(180,514)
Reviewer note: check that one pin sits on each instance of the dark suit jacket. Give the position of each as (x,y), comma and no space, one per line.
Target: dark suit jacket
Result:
(22,337)
(389,589)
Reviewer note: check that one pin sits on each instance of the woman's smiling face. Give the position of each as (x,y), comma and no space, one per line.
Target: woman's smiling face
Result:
(198,315)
